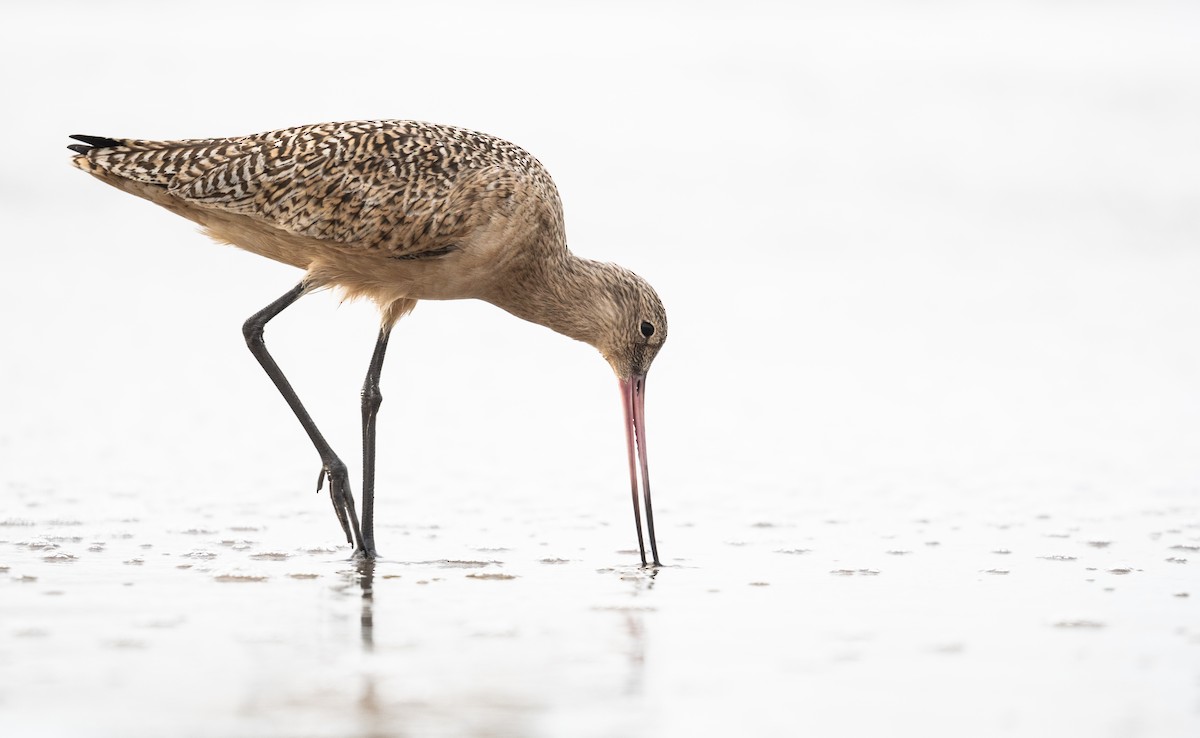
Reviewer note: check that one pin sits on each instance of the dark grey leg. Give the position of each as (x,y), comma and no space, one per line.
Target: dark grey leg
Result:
(371,400)
(339,481)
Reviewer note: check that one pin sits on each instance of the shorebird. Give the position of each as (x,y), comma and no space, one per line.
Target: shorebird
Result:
(400,211)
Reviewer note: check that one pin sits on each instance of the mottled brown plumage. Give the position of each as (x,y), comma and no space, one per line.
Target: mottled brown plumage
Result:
(397,211)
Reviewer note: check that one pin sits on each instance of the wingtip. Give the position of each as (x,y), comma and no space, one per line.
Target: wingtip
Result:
(99,142)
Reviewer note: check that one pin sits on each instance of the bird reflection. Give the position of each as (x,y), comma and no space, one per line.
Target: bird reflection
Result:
(635,628)
(382,704)
(364,575)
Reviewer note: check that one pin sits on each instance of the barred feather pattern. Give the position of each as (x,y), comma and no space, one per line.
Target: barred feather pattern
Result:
(399,186)
(396,211)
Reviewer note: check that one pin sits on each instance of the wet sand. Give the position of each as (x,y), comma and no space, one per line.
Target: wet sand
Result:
(840,621)
(924,439)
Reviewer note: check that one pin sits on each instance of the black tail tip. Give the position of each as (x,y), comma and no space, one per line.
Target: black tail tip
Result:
(93,142)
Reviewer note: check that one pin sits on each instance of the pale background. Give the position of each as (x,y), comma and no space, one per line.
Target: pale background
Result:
(925,439)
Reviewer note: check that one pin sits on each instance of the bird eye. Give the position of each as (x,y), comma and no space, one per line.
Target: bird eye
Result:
(647,329)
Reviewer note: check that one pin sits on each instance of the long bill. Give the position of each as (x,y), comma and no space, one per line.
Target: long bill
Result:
(633,401)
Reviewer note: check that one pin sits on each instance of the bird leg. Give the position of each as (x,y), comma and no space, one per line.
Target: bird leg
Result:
(339,480)
(371,400)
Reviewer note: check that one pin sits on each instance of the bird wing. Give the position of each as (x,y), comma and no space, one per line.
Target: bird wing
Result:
(402,186)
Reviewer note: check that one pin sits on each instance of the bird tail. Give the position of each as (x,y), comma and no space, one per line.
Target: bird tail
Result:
(148,162)
(90,156)
(93,142)
(120,163)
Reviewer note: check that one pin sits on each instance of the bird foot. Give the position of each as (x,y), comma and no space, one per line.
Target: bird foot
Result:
(363,556)
(343,501)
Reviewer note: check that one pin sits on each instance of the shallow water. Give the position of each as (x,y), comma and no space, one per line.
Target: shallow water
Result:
(923,439)
(846,621)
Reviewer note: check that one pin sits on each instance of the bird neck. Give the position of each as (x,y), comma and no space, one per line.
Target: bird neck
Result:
(565,293)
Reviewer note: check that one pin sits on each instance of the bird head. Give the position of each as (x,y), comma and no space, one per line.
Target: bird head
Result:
(634,328)
(617,312)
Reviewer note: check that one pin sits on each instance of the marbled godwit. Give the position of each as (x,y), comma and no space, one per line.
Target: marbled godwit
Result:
(400,211)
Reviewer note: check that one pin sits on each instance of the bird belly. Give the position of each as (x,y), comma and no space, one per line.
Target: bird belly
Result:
(356,271)
(456,273)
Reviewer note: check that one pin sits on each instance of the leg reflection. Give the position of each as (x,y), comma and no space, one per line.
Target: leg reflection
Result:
(365,574)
